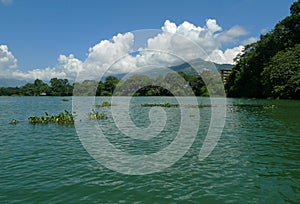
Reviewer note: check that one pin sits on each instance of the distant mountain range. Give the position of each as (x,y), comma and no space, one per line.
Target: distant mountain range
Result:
(200,64)
(185,67)
(12,82)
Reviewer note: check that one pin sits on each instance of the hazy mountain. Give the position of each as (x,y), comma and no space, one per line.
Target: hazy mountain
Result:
(11,82)
(185,67)
(200,64)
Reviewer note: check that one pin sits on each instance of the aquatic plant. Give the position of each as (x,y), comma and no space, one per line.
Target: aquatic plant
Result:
(13,122)
(198,106)
(62,118)
(105,104)
(164,105)
(267,107)
(94,115)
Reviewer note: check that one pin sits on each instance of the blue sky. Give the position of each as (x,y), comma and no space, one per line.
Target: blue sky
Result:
(37,32)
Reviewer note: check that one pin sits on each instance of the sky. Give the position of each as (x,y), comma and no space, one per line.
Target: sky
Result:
(59,38)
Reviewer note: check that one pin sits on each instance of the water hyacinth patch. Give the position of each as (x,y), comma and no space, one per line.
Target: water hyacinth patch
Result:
(94,115)
(62,118)
(164,105)
(105,104)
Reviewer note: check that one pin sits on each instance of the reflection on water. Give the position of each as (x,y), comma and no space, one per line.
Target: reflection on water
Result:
(256,160)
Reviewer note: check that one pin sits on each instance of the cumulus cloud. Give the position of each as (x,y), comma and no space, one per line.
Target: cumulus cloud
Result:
(226,57)
(113,56)
(8,63)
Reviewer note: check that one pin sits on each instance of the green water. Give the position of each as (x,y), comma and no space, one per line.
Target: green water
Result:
(257,159)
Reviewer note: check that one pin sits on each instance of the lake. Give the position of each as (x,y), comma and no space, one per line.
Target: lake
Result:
(256,160)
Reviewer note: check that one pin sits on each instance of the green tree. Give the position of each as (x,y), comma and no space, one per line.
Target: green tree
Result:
(246,77)
(281,77)
(134,85)
(110,84)
(60,87)
(40,87)
(86,88)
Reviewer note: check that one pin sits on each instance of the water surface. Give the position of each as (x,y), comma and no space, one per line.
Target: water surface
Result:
(257,159)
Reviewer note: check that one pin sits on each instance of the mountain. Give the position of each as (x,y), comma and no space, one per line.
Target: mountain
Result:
(12,82)
(200,64)
(184,67)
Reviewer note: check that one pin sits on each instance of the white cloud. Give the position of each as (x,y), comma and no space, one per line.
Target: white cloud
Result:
(249,41)
(209,38)
(68,67)
(231,35)
(8,63)
(212,25)
(226,57)
(113,56)
(107,52)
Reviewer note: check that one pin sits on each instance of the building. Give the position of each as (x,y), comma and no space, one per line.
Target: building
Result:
(224,74)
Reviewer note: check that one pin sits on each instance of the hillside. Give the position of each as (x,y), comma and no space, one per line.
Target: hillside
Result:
(270,67)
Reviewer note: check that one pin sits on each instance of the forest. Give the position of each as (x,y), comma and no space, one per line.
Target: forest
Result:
(270,67)
(137,85)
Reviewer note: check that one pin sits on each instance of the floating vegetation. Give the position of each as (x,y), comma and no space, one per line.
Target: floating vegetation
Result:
(267,107)
(13,122)
(253,105)
(65,100)
(197,106)
(94,115)
(165,105)
(62,118)
(105,104)
(245,105)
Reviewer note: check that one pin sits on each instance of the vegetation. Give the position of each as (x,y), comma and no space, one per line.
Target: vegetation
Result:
(94,115)
(105,104)
(58,87)
(13,122)
(170,105)
(270,67)
(137,85)
(165,105)
(62,118)
(198,106)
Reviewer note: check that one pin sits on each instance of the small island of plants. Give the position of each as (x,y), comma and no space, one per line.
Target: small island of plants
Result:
(105,104)
(94,115)
(64,118)
(164,105)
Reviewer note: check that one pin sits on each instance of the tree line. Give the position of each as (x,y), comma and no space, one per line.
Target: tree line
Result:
(270,67)
(137,85)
